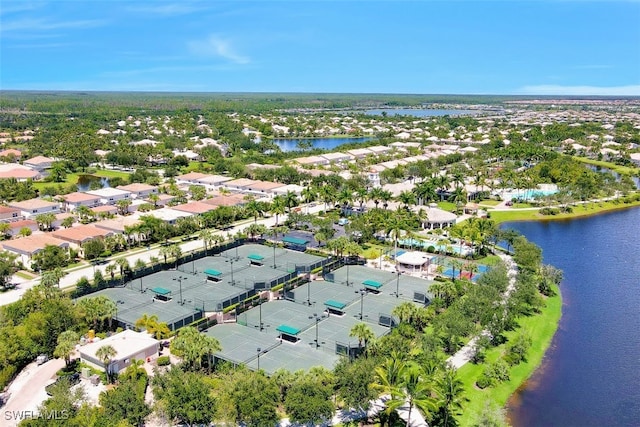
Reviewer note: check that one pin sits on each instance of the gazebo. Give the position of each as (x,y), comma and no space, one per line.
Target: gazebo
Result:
(438,218)
(413,261)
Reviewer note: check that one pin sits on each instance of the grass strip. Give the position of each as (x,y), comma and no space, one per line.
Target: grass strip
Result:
(541,328)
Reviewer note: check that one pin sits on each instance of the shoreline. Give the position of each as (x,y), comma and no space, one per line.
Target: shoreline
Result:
(542,328)
(560,217)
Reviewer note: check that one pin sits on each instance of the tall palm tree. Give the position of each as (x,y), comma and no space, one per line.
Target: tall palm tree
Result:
(414,391)
(106,353)
(404,311)
(124,266)
(51,278)
(363,333)
(278,206)
(290,200)
(450,389)
(407,198)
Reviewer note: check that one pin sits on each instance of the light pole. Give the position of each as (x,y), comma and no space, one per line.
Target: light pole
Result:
(347,263)
(259,350)
(274,254)
(141,285)
(180,279)
(362,292)
(232,281)
(260,311)
(309,294)
(398,286)
(317,321)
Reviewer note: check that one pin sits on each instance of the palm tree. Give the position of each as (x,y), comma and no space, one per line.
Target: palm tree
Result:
(413,391)
(327,195)
(404,312)
(459,197)
(278,207)
(257,230)
(106,353)
(253,208)
(363,333)
(207,238)
(68,222)
(450,390)
(4,230)
(45,220)
(51,278)
(124,266)
(309,194)
(66,345)
(290,200)
(407,198)
(456,264)
(111,270)
(376,195)
(154,198)
(123,206)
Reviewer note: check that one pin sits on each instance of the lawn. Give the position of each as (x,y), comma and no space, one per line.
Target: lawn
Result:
(72,178)
(372,251)
(489,202)
(625,170)
(447,206)
(578,211)
(541,328)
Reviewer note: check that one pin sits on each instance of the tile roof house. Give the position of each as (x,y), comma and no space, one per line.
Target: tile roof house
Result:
(109,196)
(138,190)
(33,207)
(39,163)
(72,201)
(8,214)
(80,234)
(195,208)
(21,175)
(17,226)
(26,247)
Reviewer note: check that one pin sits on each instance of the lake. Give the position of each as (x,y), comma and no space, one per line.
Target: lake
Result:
(590,375)
(421,112)
(291,144)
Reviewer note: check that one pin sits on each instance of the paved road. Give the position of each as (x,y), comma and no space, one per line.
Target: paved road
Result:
(27,391)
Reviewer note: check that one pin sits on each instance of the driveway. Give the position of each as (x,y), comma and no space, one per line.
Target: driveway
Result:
(27,391)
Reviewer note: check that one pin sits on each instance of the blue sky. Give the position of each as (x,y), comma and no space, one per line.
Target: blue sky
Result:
(428,47)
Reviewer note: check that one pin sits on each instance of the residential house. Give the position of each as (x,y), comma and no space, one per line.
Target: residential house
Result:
(72,201)
(129,345)
(76,236)
(27,247)
(16,226)
(9,214)
(39,163)
(138,190)
(33,207)
(110,196)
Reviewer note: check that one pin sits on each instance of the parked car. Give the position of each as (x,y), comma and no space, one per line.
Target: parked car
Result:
(41,359)
(343,221)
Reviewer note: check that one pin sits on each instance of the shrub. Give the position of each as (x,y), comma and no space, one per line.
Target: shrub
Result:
(517,349)
(499,371)
(164,361)
(484,381)
(431,249)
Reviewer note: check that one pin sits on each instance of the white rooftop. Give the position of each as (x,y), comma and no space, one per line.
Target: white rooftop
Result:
(127,343)
(108,192)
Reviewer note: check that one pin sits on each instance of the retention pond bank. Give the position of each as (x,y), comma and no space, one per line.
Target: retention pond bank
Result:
(590,374)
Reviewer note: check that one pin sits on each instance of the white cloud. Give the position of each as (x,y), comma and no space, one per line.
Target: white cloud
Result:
(168,9)
(216,46)
(46,25)
(630,90)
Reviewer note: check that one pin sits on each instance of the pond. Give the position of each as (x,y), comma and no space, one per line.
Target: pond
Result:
(300,144)
(85,180)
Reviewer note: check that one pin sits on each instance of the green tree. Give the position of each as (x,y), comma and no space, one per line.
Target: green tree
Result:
(49,258)
(66,345)
(450,390)
(93,248)
(106,353)
(363,333)
(51,278)
(353,380)
(45,220)
(309,401)
(256,398)
(7,267)
(126,402)
(186,397)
